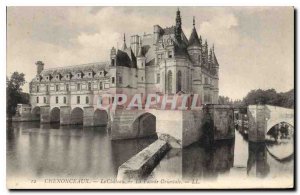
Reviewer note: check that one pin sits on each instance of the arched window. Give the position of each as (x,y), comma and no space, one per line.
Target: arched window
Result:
(179,81)
(169,82)
(87,100)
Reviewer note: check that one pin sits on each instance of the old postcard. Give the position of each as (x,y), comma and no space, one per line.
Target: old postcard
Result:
(150,97)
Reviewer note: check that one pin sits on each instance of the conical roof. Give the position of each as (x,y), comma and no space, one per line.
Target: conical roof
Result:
(194,38)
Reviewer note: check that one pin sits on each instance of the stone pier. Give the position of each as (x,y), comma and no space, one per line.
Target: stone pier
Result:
(45,114)
(65,115)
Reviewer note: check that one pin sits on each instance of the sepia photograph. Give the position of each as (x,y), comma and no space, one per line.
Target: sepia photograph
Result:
(150,97)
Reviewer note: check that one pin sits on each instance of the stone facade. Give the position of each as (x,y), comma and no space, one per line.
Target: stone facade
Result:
(164,62)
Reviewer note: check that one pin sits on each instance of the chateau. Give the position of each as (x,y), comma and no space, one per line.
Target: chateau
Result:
(165,62)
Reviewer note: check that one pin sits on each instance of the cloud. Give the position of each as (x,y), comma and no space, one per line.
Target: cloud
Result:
(253,51)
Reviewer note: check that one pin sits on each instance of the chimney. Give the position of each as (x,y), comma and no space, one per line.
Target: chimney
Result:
(39,67)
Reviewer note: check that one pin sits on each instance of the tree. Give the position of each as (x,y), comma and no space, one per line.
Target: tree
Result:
(14,94)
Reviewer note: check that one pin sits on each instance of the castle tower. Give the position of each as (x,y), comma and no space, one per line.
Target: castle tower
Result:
(194,51)
(39,67)
(194,46)
(215,72)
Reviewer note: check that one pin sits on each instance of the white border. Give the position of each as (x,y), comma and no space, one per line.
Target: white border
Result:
(5,3)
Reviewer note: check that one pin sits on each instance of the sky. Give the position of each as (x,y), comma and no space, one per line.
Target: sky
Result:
(254,45)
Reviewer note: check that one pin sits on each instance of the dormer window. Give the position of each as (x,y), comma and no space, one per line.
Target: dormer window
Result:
(47,78)
(57,77)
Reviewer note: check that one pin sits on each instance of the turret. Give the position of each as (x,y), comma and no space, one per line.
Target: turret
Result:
(210,59)
(178,29)
(124,46)
(141,62)
(39,67)
(194,46)
(205,54)
(113,56)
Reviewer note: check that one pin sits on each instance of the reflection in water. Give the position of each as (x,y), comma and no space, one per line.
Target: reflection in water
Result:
(46,150)
(227,159)
(50,150)
(207,162)
(257,161)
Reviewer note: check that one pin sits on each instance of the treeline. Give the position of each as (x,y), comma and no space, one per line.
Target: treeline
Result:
(259,96)
(14,93)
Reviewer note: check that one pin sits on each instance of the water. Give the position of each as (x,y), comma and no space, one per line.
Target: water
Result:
(44,151)
(232,161)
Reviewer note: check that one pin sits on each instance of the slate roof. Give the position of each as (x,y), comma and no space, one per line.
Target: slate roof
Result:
(95,67)
(194,39)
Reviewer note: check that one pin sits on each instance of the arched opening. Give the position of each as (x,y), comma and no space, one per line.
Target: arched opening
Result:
(169,82)
(279,132)
(280,141)
(55,115)
(100,118)
(77,116)
(36,112)
(179,81)
(144,125)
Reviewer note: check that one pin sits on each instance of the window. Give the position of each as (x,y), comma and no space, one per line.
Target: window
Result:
(45,100)
(89,74)
(68,76)
(86,99)
(142,78)
(158,78)
(78,99)
(100,73)
(56,99)
(100,85)
(113,62)
(89,86)
(159,57)
(120,79)
(205,81)
(170,54)
(37,89)
(37,99)
(78,75)
(56,87)
(57,77)
(47,88)
(112,79)
(179,81)
(65,100)
(78,86)
(67,87)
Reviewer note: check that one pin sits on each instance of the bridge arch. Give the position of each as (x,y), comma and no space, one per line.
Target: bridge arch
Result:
(36,111)
(100,117)
(55,115)
(144,125)
(276,129)
(76,116)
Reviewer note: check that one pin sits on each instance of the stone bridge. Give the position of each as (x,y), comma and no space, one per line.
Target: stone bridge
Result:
(179,128)
(263,117)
